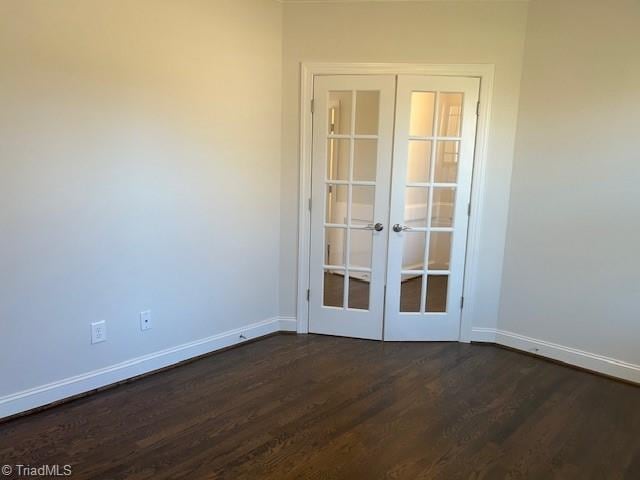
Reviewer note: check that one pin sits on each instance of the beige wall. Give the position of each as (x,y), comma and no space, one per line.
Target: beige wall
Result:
(572,267)
(414,32)
(139,169)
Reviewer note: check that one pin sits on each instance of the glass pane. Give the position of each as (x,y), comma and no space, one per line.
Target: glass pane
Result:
(419,164)
(360,248)
(358,290)
(333,295)
(338,151)
(362,201)
(413,250)
(365,154)
(334,246)
(339,114)
(367,105)
(440,250)
(410,288)
(450,114)
(447,152)
(443,203)
(416,202)
(337,196)
(421,120)
(436,300)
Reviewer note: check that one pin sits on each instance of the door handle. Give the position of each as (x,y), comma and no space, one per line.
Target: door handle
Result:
(378,227)
(400,228)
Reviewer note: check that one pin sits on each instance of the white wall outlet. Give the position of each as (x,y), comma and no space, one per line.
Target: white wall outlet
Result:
(145,320)
(98,331)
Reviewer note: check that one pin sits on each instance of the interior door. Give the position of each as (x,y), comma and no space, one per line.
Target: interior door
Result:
(352,150)
(434,141)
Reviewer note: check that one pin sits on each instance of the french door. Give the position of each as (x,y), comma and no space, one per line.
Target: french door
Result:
(352,150)
(391,182)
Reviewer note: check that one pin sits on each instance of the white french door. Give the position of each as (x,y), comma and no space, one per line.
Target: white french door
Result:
(433,162)
(388,244)
(352,149)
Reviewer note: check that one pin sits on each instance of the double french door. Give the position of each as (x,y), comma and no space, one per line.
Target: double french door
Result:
(391,182)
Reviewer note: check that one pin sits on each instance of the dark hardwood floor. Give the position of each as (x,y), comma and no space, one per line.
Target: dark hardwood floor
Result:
(323,407)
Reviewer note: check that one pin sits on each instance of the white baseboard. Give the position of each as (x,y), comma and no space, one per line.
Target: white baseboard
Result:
(69,387)
(485,335)
(288,324)
(572,356)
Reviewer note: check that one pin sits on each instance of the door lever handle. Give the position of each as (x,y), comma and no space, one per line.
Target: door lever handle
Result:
(400,228)
(378,227)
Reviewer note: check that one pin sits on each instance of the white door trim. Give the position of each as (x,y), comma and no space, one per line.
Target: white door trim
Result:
(307,71)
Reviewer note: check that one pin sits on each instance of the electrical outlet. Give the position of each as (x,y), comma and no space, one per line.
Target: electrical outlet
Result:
(145,320)
(98,332)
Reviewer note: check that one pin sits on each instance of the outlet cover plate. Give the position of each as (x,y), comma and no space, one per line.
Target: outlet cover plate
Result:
(98,331)
(145,320)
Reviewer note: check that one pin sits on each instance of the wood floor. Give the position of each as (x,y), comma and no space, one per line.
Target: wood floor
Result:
(323,407)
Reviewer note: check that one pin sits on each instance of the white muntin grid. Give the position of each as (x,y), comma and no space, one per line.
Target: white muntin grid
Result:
(347,268)
(431,186)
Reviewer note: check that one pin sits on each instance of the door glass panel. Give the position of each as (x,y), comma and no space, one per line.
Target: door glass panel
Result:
(416,205)
(362,201)
(339,114)
(422,109)
(334,246)
(443,203)
(436,299)
(337,196)
(447,154)
(365,153)
(338,152)
(440,250)
(450,114)
(419,161)
(413,250)
(358,291)
(367,106)
(360,248)
(333,289)
(410,293)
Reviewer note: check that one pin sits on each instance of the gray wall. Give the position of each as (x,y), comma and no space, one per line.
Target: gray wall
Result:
(572,264)
(139,169)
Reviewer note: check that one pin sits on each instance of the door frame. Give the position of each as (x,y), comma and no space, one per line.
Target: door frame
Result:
(308,70)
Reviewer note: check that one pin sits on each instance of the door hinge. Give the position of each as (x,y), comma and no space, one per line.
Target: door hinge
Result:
(478,109)
(312,106)
(469,209)
(308,294)
(461,303)
(309,203)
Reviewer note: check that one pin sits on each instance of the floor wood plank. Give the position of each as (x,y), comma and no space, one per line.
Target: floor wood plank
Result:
(320,407)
